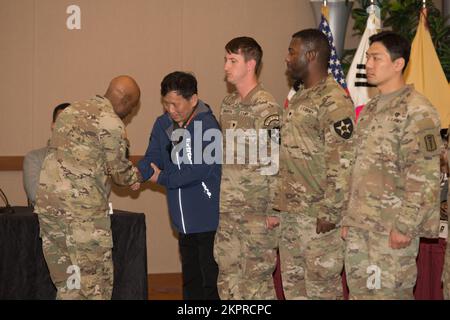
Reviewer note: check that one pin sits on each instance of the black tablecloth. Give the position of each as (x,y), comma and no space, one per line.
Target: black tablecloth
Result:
(24,273)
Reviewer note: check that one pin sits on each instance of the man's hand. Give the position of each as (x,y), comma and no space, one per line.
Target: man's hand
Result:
(398,240)
(344,232)
(139,175)
(135,186)
(156,173)
(272,222)
(324,226)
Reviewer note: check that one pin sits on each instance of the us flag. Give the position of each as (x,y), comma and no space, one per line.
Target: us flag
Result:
(334,65)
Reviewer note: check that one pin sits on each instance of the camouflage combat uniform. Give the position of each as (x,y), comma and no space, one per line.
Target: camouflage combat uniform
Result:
(395,184)
(446,270)
(88,145)
(316,148)
(244,248)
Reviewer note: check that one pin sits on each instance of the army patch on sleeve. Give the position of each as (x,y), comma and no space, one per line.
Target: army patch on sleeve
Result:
(272,121)
(430,142)
(344,128)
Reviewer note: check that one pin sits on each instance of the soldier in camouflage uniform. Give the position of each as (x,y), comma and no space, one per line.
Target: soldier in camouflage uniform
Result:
(244,248)
(316,148)
(87,147)
(446,270)
(394,191)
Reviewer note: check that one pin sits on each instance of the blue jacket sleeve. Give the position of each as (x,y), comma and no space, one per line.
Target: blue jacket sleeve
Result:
(190,174)
(153,153)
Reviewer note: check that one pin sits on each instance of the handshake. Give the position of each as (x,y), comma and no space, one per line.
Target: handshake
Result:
(135,186)
(153,178)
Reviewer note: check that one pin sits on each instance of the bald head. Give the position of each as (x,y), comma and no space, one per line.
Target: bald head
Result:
(124,94)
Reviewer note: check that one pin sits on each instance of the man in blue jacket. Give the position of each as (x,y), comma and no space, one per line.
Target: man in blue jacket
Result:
(175,159)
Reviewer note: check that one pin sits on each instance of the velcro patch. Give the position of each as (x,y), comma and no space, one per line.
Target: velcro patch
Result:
(425,124)
(344,128)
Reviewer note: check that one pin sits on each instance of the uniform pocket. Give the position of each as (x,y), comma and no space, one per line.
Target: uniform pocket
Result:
(92,233)
(325,256)
(259,247)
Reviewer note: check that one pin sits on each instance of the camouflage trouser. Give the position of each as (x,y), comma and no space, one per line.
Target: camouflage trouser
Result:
(446,272)
(376,271)
(311,263)
(245,251)
(78,256)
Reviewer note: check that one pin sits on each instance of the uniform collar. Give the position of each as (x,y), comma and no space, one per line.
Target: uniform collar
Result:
(322,82)
(103,100)
(396,93)
(249,97)
(383,102)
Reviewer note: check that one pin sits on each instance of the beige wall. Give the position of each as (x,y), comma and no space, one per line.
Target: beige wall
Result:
(43,63)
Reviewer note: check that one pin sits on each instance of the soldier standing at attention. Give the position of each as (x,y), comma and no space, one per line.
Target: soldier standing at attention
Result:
(316,148)
(245,249)
(395,181)
(87,146)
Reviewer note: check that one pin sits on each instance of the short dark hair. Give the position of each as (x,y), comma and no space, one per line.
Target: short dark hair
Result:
(395,44)
(248,47)
(182,83)
(316,40)
(58,108)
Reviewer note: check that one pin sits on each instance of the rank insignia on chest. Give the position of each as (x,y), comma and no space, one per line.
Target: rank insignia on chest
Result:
(344,128)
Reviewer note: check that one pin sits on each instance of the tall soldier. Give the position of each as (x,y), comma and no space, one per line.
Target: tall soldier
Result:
(316,148)
(245,249)
(88,145)
(394,193)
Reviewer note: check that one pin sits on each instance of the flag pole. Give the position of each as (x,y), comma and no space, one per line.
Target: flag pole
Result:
(424,12)
(324,10)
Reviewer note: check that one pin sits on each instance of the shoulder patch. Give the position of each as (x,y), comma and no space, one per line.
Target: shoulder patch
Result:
(344,128)
(430,142)
(272,120)
(272,123)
